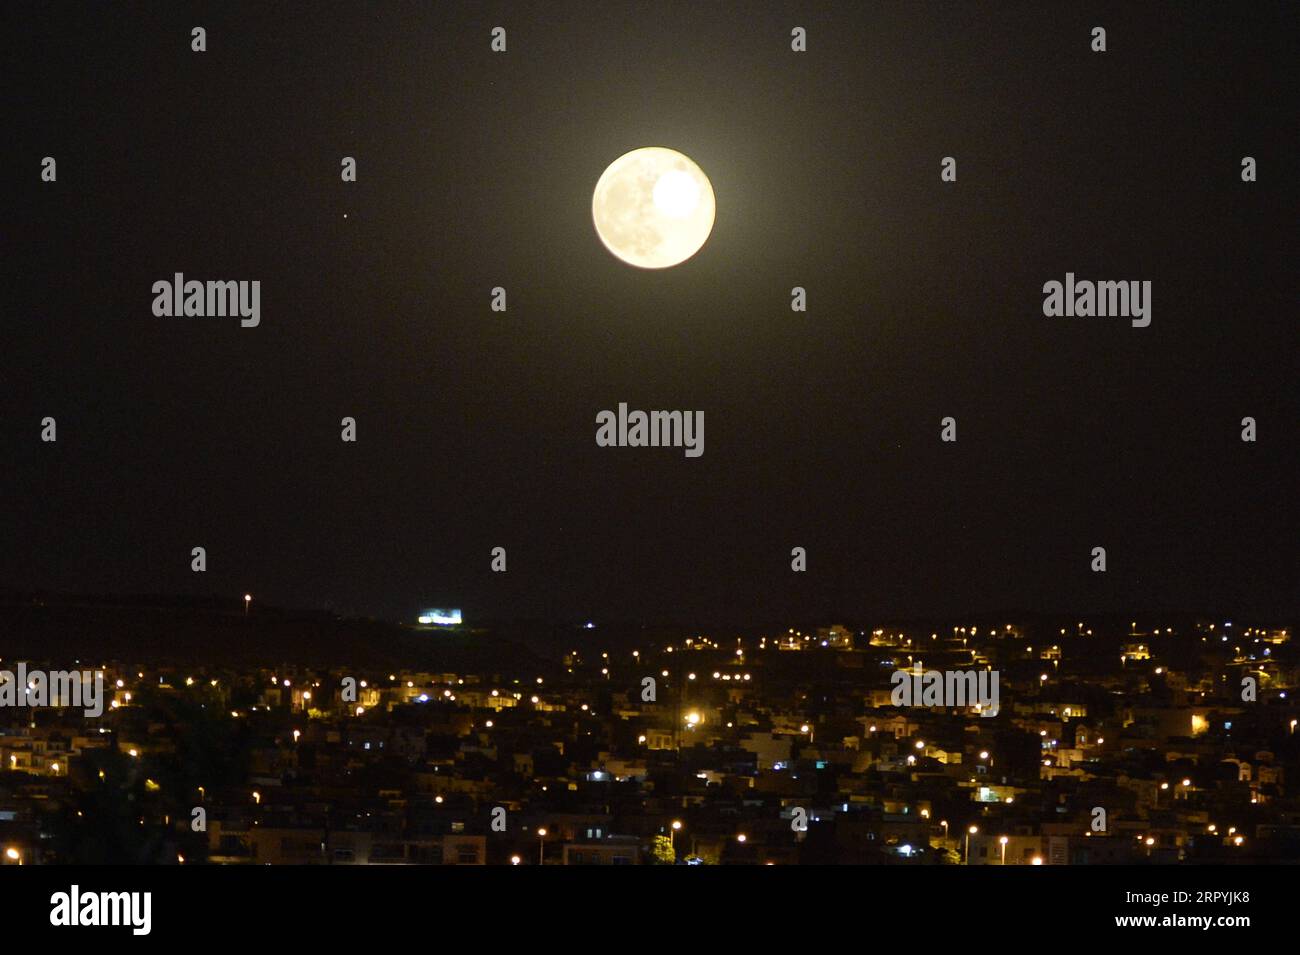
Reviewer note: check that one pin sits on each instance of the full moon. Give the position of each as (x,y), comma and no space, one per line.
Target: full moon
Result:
(653,207)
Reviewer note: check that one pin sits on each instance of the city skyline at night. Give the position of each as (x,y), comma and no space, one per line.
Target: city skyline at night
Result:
(448,441)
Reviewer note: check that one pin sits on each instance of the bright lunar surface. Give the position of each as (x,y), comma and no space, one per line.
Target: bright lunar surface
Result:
(653,207)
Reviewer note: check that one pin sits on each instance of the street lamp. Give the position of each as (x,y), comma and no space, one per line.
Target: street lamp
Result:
(13,855)
(944,823)
(970,832)
(1003,842)
(248,599)
(541,847)
(672,833)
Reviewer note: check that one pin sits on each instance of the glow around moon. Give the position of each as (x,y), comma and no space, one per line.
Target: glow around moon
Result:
(653,207)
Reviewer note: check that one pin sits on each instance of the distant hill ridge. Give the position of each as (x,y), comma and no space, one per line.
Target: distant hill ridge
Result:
(208,630)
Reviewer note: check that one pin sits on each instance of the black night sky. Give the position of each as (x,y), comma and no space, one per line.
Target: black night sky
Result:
(476,429)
